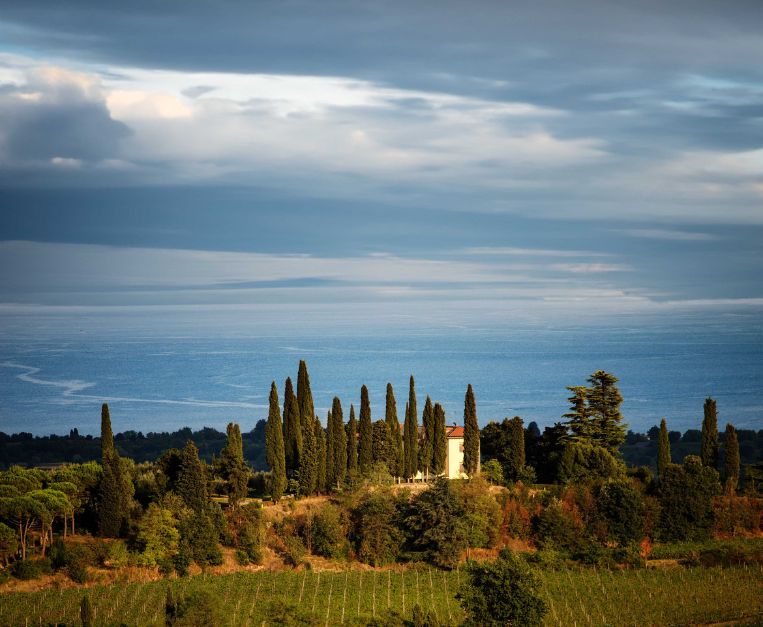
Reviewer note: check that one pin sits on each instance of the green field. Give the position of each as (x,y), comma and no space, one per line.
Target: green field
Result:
(676,596)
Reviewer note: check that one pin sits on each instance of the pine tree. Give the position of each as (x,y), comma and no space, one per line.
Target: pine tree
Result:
(709,437)
(515,453)
(380,441)
(274,447)
(352,443)
(471,434)
(107,437)
(320,447)
(232,467)
(439,441)
(292,429)
(395,444)
(365,447)
(426,444)
(338,445)
(731,465)
(411,433)
(578,418)
(663,449)
(604,401)
(192,479)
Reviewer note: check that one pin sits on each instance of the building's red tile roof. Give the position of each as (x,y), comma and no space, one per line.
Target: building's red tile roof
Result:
(454,432)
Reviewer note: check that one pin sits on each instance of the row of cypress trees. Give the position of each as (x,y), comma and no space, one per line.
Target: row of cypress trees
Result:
(299,449)
(709,446)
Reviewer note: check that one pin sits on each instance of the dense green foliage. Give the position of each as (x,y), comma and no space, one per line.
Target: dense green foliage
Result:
(274,446)
(292,429)
(503,592)
(411,433)
(709,438)
(731,459)
(663,449)
(365,428)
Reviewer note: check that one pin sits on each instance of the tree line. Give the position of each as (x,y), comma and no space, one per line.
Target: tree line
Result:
(305,458)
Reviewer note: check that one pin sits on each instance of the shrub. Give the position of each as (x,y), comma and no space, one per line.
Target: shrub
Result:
(198,610)
(30,569)
(118,555)
(493,472)
(621,506)
(686,496)
(328,533)
(734,515)
(558,528)
(377,538)
(295,550)
(503,592)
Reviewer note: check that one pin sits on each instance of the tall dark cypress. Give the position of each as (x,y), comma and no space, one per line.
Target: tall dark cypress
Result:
(116,488)
(320,448)
(380,442)
(439,441)
(308,468)
(292,429)
(192,479)
(426,444)
(515,455)
(274,447)
(232,467)
(395,445)
(330,466)
(411,434)
(352,443)
(338,445)
(471,434)
(731,465)
(107,437)
(305,399)
(365,446)
(709,437)
(663,449)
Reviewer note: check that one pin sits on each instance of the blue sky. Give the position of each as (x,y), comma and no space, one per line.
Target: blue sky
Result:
(550,158)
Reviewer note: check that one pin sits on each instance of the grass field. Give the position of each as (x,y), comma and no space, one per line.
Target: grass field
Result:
(676,596)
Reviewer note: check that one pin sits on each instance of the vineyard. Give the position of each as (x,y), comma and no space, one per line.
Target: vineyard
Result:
(585,597)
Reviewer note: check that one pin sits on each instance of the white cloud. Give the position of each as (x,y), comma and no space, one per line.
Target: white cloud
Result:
(668,234)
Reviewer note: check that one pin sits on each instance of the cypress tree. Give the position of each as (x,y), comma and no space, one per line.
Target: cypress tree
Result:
(116,488)
(578,419)
(86,612)
(731,465)
(380,442)
(232,466)
(192,480)
(426,445)
(663,449)
(439,440)
(411,433)
(274,447)
(604,401)
(107,437)
(330,466)
(320,447)
(395,445)
(292,429)
(308,468)
(339,444)
(515,455)
(365,447)
(305,398)
(709,437)
(352,442)
(471,434)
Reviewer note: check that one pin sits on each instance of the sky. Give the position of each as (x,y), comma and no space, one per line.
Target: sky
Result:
(543,159)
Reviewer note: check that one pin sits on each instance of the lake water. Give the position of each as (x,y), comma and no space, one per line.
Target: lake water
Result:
(54,373)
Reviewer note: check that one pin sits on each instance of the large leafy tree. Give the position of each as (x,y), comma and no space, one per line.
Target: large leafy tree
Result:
(686,498)
(439,440)
(471,433)
(709,438)
(502,592)
(365,446)
(604,401)
(274,446)
(292,429)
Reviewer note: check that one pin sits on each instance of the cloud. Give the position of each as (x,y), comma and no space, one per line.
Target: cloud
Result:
(669,234)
